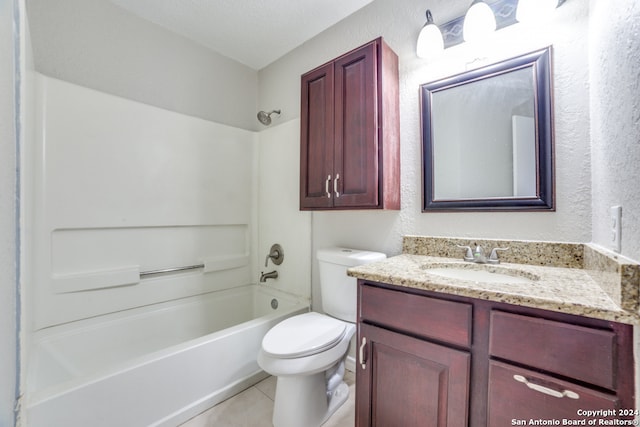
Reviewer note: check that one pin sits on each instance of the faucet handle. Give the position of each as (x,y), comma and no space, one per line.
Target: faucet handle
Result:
(468,256)
(276,254)
(269,256)
(493,258)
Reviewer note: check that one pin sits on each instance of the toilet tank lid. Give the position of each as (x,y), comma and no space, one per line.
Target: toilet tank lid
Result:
(348,257)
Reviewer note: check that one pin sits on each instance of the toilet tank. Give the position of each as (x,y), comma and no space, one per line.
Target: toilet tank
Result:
(339,291)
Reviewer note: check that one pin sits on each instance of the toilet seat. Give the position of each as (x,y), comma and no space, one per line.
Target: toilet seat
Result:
(303,335)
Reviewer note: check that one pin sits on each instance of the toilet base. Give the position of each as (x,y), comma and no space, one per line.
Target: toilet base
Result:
(340,396)
(303,400)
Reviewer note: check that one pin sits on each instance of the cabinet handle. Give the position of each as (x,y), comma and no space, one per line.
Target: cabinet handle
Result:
(546,390)
(363,362)
(335,185)
(326,186)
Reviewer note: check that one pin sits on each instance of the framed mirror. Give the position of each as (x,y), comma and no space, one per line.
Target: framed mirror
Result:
(487,137)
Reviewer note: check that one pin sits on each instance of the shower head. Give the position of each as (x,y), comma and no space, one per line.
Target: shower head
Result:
(265,118)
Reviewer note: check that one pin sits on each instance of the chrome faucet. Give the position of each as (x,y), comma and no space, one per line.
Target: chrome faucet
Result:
(270,275)
(478,255)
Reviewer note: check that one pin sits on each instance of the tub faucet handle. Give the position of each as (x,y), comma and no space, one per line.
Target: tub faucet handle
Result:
(266,260)
(276,254)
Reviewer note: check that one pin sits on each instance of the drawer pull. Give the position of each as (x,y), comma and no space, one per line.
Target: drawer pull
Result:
(335,185)
(363,362)
(326,186)
(546,390)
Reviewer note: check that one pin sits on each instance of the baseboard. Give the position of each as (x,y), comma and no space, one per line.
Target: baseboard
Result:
(350,363)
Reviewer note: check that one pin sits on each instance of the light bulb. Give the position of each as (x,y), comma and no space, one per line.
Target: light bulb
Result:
(430,42)
(479,21)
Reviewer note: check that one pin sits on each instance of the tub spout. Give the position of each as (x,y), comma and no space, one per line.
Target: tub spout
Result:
(270,275)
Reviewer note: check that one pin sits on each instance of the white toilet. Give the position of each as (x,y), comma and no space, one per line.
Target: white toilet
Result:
(307,352)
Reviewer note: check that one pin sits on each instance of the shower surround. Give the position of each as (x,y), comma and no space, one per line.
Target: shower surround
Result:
(118,189)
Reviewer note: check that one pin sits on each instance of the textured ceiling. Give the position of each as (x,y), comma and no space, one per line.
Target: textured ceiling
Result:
(253,32)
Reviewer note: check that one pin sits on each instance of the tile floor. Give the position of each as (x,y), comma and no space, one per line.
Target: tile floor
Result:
(254,408)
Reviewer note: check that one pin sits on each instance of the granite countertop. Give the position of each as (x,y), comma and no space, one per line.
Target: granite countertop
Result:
(562,289)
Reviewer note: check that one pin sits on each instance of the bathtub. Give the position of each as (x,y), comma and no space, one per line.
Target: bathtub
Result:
(152,366)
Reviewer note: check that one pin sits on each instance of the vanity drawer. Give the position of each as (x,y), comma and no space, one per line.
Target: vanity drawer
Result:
(442,320)
(578,352)
(520,394)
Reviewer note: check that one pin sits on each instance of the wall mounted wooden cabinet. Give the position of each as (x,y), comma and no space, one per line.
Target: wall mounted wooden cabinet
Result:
(349,132)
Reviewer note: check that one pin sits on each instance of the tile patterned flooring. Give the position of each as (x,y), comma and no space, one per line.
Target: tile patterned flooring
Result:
(254,408)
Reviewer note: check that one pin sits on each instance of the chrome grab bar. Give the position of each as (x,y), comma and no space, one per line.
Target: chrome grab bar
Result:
(170,270)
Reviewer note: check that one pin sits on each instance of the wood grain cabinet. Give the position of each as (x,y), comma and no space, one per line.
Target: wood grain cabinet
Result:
(554,369)
(430,359)
(411,374)
(349,132)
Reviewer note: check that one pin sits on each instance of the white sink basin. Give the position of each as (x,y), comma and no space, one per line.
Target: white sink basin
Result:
(480,273)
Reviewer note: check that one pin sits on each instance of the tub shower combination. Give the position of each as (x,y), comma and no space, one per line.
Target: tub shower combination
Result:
(141,305)
(141,302)
(155,367)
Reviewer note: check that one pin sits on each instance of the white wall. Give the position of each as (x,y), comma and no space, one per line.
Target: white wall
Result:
(281,221)
(26,144)
(8,198)
(615,119)
(96,44)
(122,188)
(399,23)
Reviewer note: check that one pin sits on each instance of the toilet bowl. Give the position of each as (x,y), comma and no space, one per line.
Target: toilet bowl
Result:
(307,352)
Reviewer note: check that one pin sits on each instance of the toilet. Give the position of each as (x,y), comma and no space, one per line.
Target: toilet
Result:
(307,352)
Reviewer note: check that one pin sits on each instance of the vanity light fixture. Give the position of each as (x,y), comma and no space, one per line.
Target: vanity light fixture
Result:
(482,18)
(430,41)
(479,21)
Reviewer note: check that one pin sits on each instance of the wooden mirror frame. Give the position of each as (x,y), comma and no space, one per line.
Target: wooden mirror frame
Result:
(540,62)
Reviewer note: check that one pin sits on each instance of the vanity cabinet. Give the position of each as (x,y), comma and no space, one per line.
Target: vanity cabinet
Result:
(349,132)
(410,374)
(549,367)
(427,358)
(412,380)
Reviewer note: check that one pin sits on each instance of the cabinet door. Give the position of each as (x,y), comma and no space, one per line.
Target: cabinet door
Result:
(356,129)
(316,148)
(410,382)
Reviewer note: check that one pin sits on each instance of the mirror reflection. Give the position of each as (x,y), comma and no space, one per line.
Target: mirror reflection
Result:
(487,137)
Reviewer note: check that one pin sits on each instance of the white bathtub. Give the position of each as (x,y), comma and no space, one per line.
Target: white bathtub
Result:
(152,366)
